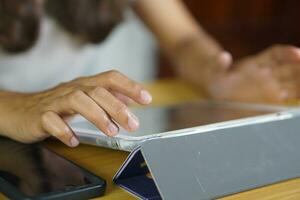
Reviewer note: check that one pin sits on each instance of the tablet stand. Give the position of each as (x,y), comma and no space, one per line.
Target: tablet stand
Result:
(214,163)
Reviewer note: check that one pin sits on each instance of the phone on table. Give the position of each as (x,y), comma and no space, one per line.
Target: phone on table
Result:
(35,172)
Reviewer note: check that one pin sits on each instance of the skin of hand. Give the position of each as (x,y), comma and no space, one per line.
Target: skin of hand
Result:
(33,117)
(271,76)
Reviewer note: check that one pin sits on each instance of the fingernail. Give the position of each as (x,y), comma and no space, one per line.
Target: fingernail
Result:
(113,129)
(74,142)
(146,96)
(133,122)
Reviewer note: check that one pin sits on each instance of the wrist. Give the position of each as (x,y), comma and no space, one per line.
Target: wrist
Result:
(10,111)
(199,61)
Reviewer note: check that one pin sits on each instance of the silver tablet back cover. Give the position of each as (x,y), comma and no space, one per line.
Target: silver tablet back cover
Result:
(225,161)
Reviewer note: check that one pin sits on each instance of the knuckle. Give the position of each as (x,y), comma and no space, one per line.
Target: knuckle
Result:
(75,95)
(121,109)
(99,92)
(113,73)
(45,118)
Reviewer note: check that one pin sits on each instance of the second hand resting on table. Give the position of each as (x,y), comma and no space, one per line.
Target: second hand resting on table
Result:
(34,117)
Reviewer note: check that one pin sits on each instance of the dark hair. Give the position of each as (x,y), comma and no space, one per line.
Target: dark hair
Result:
(92,20)
(19,24)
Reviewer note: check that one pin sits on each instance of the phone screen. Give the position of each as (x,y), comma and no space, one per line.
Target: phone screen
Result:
(35,170)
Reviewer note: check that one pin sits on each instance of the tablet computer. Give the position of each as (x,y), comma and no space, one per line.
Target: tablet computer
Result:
(170,121)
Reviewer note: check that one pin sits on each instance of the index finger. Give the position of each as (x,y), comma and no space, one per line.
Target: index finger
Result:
(116,81)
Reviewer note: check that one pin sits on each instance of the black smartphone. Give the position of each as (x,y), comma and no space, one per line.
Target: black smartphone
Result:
(35,172)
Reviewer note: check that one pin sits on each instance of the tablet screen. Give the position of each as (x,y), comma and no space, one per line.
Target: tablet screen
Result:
(162,119)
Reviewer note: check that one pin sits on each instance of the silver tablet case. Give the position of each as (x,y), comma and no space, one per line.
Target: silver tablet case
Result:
(215,163)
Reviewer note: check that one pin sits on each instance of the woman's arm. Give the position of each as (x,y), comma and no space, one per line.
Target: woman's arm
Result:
(171,16)
(183,39)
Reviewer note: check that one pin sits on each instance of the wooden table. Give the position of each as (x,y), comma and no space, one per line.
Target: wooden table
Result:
(105,162)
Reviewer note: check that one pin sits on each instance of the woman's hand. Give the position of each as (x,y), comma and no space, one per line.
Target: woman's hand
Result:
(33,117)
(271,77)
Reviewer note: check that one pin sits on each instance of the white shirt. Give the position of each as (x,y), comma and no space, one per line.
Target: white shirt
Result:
(57,57)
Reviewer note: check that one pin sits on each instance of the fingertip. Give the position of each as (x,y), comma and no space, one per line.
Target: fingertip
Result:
(225,59)
(145,96)
(74,142)
(112,129)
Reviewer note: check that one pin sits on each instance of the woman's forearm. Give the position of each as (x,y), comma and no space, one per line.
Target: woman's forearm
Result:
(197,56)
(8,101)
(174,26)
